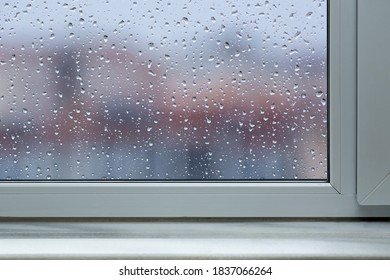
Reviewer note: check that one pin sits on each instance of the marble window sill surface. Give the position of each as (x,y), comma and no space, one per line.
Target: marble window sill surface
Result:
(195,239)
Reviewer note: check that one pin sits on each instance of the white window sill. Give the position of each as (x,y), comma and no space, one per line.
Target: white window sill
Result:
(208,239)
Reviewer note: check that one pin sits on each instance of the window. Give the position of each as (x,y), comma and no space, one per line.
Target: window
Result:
(200,149)
(215,91)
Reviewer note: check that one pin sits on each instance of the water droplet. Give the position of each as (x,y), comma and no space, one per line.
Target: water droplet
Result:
(309,14)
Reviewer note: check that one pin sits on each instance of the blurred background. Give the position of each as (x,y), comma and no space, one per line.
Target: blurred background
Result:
(163,90)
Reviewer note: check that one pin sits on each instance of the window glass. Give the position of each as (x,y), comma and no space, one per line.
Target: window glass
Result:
(157,90)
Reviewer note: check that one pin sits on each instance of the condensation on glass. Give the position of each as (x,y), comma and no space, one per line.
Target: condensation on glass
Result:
(164,90)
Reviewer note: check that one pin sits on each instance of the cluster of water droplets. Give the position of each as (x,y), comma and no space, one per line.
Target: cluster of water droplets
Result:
(155,90)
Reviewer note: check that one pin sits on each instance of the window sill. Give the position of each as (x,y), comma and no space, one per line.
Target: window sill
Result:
(204,239)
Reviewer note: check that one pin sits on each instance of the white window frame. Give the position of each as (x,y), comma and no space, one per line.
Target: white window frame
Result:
(227,199)
(373,83)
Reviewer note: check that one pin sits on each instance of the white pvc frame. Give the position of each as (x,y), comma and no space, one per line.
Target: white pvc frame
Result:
(233,199)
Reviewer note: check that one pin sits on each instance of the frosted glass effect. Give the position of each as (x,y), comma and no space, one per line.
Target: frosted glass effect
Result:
(162,90)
